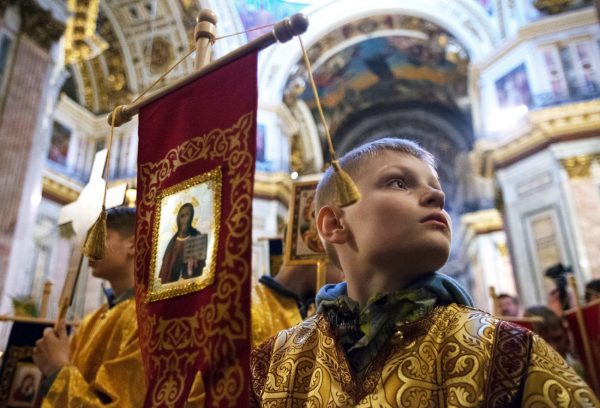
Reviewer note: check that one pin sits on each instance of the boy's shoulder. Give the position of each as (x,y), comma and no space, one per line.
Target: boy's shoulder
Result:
(296,336)
(442,321)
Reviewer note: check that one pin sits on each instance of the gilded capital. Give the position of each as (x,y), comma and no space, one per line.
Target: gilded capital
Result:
(579,166)
(552,6)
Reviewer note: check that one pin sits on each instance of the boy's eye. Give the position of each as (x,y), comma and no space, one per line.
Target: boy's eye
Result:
(397,183)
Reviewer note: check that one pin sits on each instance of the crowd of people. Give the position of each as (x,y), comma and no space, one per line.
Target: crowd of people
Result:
(394,332)
(550,323)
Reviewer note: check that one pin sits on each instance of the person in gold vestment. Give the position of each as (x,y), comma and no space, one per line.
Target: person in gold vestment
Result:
(102,364)
(283,301)
(397,333)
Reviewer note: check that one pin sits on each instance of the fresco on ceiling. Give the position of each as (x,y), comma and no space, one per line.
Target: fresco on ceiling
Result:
(388,70)
(256,13)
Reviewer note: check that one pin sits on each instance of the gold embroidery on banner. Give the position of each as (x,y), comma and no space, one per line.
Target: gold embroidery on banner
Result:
(176,338)
(158,291)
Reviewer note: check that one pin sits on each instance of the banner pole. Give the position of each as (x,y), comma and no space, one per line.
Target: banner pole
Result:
(45,299)
(282,32)
(495,302)
(204,34)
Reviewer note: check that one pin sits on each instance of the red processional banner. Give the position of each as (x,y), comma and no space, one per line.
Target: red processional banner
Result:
(523,322)
(591,320)
(193,237)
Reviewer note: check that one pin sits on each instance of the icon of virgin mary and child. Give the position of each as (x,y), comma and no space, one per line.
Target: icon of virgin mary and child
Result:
(185,256)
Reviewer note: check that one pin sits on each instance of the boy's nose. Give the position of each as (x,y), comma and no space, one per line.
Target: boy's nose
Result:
(434,198)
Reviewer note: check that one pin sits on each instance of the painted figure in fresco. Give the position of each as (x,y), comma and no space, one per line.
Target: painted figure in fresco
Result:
(175,263)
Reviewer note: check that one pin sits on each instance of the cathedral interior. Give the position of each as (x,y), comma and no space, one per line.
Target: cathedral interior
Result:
(505,93)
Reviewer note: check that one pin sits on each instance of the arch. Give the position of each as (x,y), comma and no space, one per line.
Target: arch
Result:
(464,19)
(436,128)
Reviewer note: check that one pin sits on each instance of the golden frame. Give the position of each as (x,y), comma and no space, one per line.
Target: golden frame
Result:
(296,252)
(156,289)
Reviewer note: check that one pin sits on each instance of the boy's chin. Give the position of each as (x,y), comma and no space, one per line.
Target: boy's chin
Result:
(435,259)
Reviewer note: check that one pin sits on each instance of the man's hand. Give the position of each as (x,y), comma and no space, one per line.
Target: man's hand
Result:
(51,352)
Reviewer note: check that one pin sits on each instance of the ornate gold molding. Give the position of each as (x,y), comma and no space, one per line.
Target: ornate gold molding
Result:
(580,166)
(545,126)
(482,222)
(39,24)
(81,41)
(63,193)
(274,186)
(107,70)
(552,6)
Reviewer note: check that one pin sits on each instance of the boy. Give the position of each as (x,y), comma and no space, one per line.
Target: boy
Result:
(102,365)
(396,333)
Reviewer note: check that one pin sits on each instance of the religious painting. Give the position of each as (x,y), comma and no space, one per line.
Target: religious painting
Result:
(25,385)
(19,377)
(186,236)
(59,144)
(303,245)
(513,88)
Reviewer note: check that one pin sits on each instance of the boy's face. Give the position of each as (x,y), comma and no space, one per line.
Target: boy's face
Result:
(118,256)
(400,219)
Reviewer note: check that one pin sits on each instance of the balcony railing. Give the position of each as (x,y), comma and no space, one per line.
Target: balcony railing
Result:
(575,94)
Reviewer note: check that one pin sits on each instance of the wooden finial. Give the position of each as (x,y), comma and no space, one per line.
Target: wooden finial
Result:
(204,34)
(45,299)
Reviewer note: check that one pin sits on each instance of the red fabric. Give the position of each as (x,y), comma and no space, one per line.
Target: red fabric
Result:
(591,317)
(207,124)
(523,323)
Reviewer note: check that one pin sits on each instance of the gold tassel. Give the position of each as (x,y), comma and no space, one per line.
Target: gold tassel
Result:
(346,189)
(347,192)
(95,241)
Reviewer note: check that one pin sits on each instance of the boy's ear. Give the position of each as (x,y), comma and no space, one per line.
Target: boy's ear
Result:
(130,242)
(330,225)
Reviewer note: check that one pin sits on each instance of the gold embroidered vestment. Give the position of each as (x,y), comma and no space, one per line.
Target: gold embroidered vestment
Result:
(453,357)
(106,363)
(271,313)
